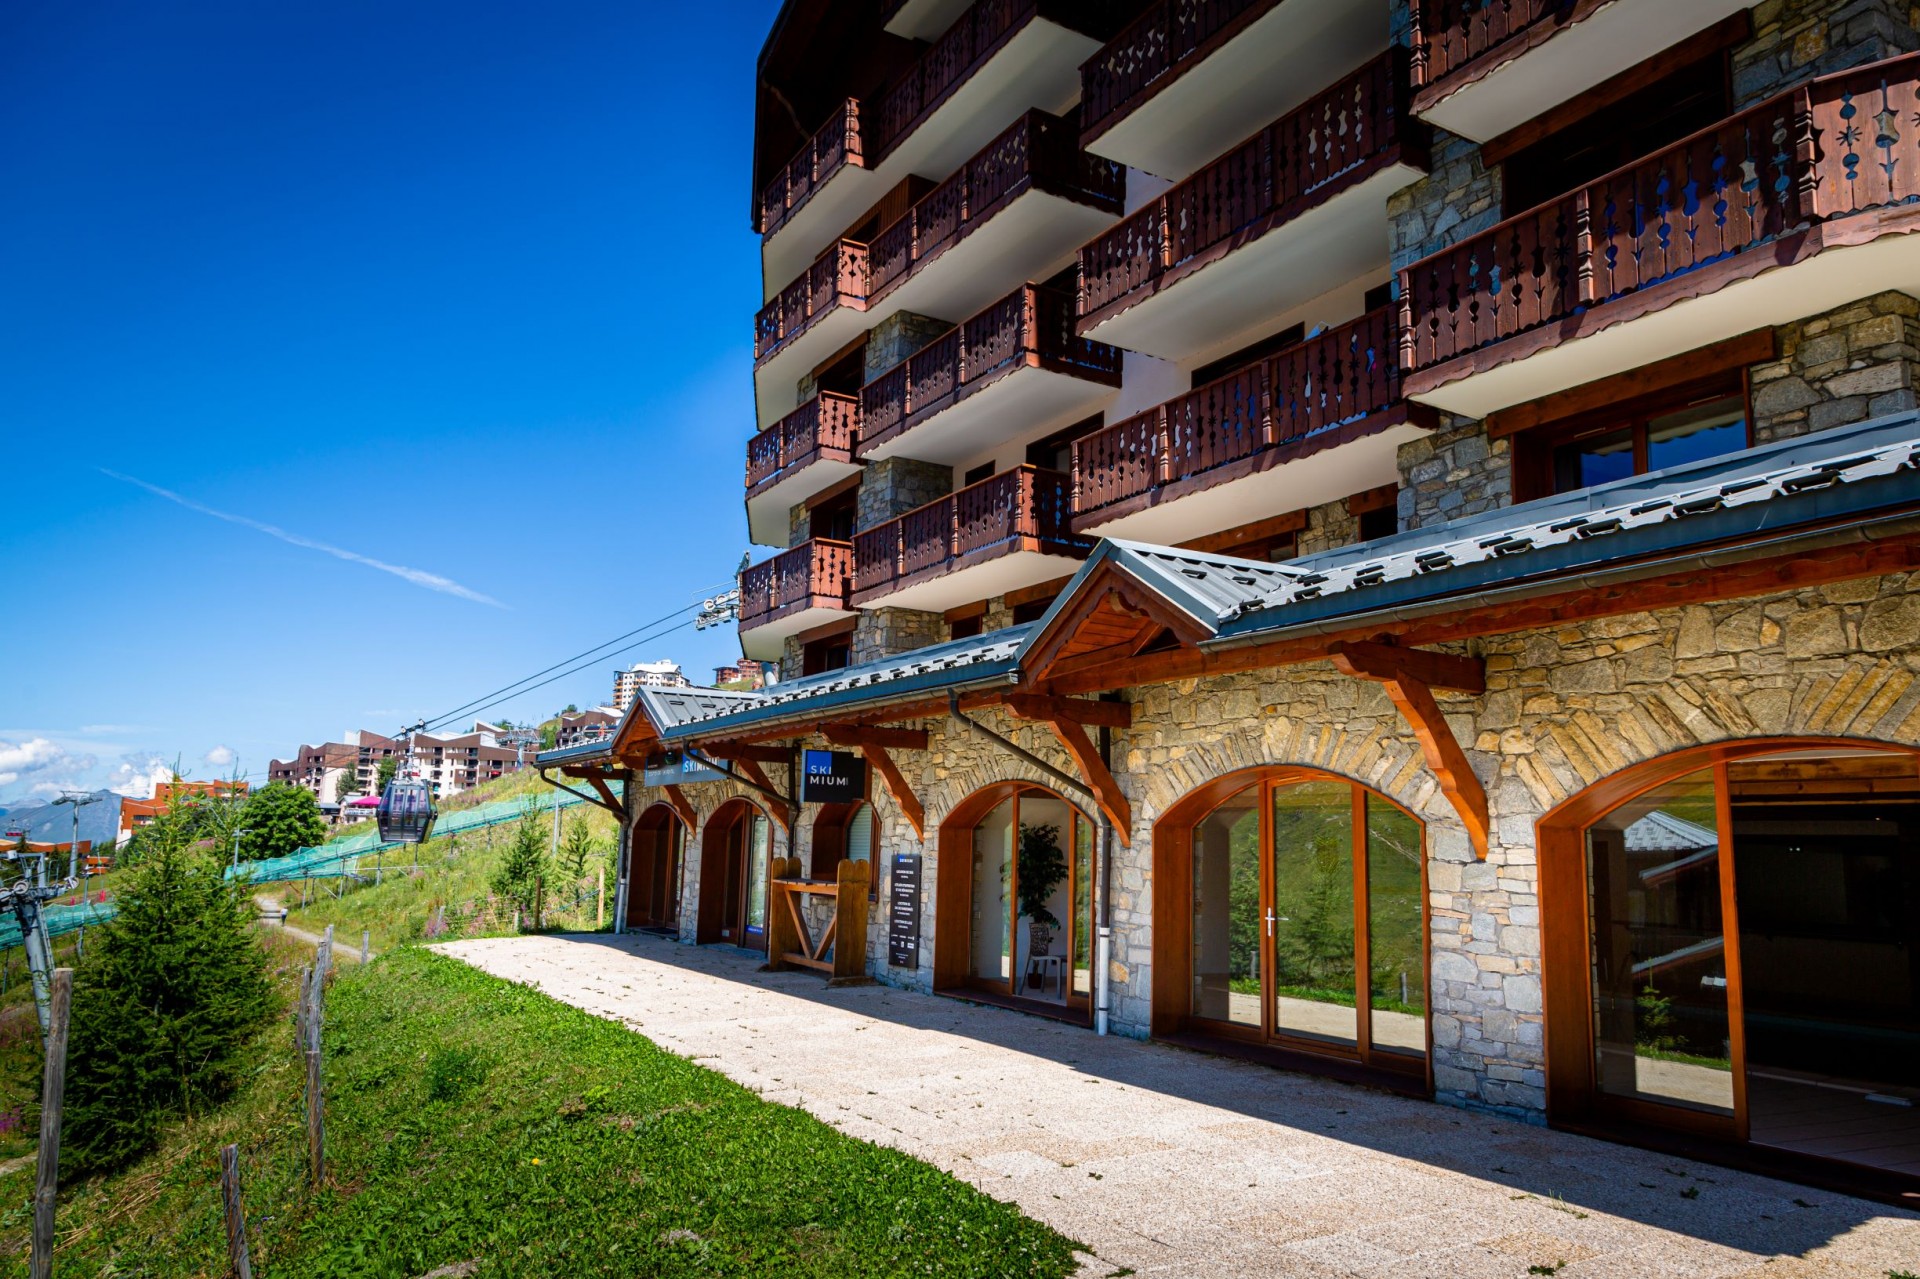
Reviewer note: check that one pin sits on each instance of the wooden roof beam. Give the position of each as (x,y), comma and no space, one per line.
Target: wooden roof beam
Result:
(1400,671)
(1113,802)
(905,739)
(1370,659)
(897,785)
(682,806)
(1078,710)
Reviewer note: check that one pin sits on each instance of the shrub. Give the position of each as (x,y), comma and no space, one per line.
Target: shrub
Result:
(170,993)
(279,820)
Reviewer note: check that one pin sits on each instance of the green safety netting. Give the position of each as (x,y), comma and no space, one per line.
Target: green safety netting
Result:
(332,860)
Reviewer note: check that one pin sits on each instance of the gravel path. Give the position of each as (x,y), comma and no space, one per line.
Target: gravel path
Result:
(1179,1164)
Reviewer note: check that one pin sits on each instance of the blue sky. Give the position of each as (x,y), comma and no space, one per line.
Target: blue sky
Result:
(448,306)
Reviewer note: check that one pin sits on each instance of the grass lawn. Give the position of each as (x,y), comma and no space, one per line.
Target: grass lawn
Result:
(469,1119)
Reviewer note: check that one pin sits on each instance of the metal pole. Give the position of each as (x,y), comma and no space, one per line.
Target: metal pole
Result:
(53,1088)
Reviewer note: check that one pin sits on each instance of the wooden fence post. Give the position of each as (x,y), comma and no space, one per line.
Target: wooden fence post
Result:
(366,937)
(53,1089)
(236,1214)
(600,908)
(316,1132)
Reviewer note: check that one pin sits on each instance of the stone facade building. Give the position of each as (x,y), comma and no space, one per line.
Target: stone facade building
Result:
(1396,558)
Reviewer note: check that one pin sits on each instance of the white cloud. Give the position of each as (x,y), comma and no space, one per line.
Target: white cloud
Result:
(220,756)
(41,766)
(419,577)
(138,773)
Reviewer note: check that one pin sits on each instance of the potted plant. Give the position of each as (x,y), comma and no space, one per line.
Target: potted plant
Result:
(1042,866)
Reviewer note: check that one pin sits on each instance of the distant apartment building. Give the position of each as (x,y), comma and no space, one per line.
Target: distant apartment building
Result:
(745,673)
(592,725)
(335,771)
(135,813)
(662,674)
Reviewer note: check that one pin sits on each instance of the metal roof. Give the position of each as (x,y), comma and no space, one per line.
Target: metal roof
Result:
(1845,471)
(583,753)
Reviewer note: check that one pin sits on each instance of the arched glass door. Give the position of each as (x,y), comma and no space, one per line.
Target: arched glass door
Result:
(1031,902)
(1308,921)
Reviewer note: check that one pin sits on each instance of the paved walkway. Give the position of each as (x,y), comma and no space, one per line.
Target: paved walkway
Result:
(1180,1164)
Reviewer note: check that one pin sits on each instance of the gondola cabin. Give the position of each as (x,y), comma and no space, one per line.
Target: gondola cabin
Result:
(406,812)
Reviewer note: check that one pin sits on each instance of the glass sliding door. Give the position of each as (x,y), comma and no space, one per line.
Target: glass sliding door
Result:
(1309,921)
(993,897)
(1031,914)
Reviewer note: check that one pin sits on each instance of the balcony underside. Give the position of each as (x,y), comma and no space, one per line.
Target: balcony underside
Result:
(1337,463)
(1038,67)
(1776,283)
(766,640)
(985,573)
(769,508)
(1224,296)
(1517,81)
(1031,238)
(1025,404)
(776,383)
(925,19)
(1212,101)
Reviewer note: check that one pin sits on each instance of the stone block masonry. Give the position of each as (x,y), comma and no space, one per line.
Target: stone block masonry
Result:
(1845,366)
(895,485)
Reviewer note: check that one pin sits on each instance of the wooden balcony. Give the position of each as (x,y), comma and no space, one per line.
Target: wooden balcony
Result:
(1482,67)
(1318,421)
(985,63)
(1016,211)
(1012,374)
(794,591)
(808,450)
(1008,531)
(1296,210)
(1188,79)
(1708,239)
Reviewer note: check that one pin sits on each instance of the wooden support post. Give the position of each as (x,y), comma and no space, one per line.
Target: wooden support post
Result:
(600,901)
(1407,675)
(785,933)
(851,885)
(607,800)
(316,1123)
(366,937)
(898,787)
(53,1091)
(235,1212)
(1113,802)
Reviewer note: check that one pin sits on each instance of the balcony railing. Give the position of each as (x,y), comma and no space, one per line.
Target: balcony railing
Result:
(1030,326)
(1025,509)
(825,426)
(1292,400)
(837,145)
(1160,41)
(811,575)
(1449,35)
(1843,144)
(1040,152)
(865,138)
(837,278)
(1300,161)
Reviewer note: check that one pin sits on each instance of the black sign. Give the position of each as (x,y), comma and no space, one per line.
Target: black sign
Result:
(830,777)
(903,912)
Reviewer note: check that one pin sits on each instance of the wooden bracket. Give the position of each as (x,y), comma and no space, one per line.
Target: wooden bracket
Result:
(897,786)
(745,755)
(1077,710)
(682,806)
(1401,671)
(608,801)
(905,739)
(751,770)
(1094,769)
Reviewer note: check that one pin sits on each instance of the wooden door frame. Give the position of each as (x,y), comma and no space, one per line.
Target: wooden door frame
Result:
(647,824)
(1566,911)
(1172,996)
(716,863)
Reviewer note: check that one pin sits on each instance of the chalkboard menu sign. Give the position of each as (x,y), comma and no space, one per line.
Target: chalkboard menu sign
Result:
(903,912)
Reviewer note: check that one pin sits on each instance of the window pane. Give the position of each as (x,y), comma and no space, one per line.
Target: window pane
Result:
(1226,912)
(1395,945)
(759,851)
(1312,917)
(1659,952)
(992,870)
(1703,431)
(1584,463)
(1041,886)
(1082,907)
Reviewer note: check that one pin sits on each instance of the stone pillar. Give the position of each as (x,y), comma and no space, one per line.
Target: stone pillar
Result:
(895,485)
(897,337)
(1458,198)
(1796,40)
(882,632)
(1453,472)
(1845,366)
(799,525)
(1329,527)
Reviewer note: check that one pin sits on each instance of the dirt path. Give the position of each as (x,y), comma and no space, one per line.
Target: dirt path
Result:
(1180,1164)
(274,915)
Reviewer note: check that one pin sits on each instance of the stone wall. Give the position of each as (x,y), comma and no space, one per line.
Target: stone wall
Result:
(1453,472)
(799,525)
(882,632)
(899,336)
(1459,197)
(895,485)
(1329,526)
(1845,366)
(1795,40)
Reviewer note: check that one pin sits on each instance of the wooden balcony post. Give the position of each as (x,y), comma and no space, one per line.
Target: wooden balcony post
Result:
(1403,320)
(1163,434)
(953,525)
(1806,184)
(1265,380)
(1417,33)
(1583,246)
(1164,258)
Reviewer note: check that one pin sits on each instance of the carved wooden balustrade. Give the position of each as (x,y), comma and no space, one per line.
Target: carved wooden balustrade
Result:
(1291,400)
(1025,509)
(827,426)
(813,574)
(1292,165)
(1840,145)
(837,278)
(863,136)
(837,144)
(1032,326)
(1449,35)
(1161,40)
(1039,152)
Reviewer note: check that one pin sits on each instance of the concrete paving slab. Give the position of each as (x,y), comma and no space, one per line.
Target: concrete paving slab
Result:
(1173,1163)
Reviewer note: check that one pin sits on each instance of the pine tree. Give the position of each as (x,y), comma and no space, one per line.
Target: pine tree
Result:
(523,870)
(576,848)
(169,995)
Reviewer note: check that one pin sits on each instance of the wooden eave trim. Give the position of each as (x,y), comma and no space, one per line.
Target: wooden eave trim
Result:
(827,630)
(1038,591)
(906,739)
(1109,580)
(1398,671)
(1719,358)
(832,491)
(1373,499)
(1226,539)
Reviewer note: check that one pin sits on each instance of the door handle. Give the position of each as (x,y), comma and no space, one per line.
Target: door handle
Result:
(1269,923)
